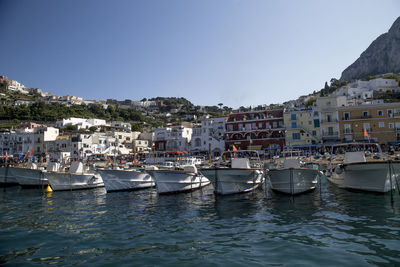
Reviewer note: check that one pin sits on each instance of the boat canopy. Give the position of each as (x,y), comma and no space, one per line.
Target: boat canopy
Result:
(177,152)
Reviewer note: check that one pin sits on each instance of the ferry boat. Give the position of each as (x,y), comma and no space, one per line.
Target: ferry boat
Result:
(363,167)
(177,180)
(6,179)
(125,179)
(293,176)
(29,176)
(76,178)
(242,173)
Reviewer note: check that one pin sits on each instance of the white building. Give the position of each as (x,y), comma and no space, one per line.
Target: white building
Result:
(125,126)
(175,138)
(17,87)
(41,136)
(16,142)
(80,123)
(210,132)
(329,117)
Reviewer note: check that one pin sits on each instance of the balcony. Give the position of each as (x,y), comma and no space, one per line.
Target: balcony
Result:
(330,121)
(330,134)
(347,131)
(254,119)
(256,130)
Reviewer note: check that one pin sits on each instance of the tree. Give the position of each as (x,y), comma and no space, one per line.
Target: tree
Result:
(93,129)
(220,105)
(310,101)
(326,87)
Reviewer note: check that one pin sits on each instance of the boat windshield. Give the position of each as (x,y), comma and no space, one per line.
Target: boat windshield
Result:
(251,159)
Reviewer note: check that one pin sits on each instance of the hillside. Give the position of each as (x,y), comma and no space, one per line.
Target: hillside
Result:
(382,56)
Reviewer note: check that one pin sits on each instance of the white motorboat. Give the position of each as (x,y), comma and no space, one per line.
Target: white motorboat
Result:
(293,178)
(29,176)
(179,180)
(362,169)
(6,179)
(123,180)
(76,178)
(239,176)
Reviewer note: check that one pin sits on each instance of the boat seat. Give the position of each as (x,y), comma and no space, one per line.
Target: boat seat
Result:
(352,157)
(190,168)
(291,163)
(241,163)
(53,166)
(76,167)
(31,165)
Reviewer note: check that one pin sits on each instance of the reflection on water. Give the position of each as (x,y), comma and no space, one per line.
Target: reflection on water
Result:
(328,226)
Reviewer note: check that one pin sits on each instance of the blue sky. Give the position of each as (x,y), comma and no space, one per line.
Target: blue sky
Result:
(238,52)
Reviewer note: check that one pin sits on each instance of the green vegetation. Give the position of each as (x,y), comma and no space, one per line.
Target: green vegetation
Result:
(3,86)
(334,84)
(40,111)
(386,76)
(310,102)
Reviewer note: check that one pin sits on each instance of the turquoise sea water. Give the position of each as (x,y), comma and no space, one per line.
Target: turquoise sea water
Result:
(327,227)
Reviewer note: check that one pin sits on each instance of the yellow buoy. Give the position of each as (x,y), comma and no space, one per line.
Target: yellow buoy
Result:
(48,189)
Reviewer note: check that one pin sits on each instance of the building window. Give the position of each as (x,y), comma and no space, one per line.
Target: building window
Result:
(380,112)
(381,124)
(347,128)
(316,123)
(390,113)
(314,133)
(274,124)
(365,114)
(328,118)
(293,117)
(296,136)
(391,125)
(294,125)
(346,116)
(309,122)
(366,126)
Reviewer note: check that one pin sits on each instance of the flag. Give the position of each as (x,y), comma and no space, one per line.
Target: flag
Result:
(27,154)
(6,156)
(134,161)
(234,148)
(31,151)
(365,133)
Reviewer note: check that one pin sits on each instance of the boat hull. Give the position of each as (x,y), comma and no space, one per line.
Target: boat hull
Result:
(124,180)
(293,180)
(231,180)
(6,179)
(369,176)
(72,181)
(175,181)
(29,177)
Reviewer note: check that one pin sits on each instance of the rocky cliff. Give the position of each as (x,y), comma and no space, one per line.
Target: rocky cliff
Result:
(382,56)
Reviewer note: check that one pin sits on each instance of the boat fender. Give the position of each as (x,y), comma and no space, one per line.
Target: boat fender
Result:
(339,169)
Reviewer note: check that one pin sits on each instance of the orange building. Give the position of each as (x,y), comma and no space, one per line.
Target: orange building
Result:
(381,122)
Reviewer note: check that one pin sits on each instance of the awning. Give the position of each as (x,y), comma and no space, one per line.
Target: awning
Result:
(177,152)
(254,147)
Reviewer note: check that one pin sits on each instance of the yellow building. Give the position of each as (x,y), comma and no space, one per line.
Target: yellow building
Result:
(302,127)
(381,121)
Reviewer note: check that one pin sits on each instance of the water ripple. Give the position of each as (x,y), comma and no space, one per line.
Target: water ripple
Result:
(330,227)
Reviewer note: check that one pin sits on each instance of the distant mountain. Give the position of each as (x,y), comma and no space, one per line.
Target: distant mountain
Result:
(382,56)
